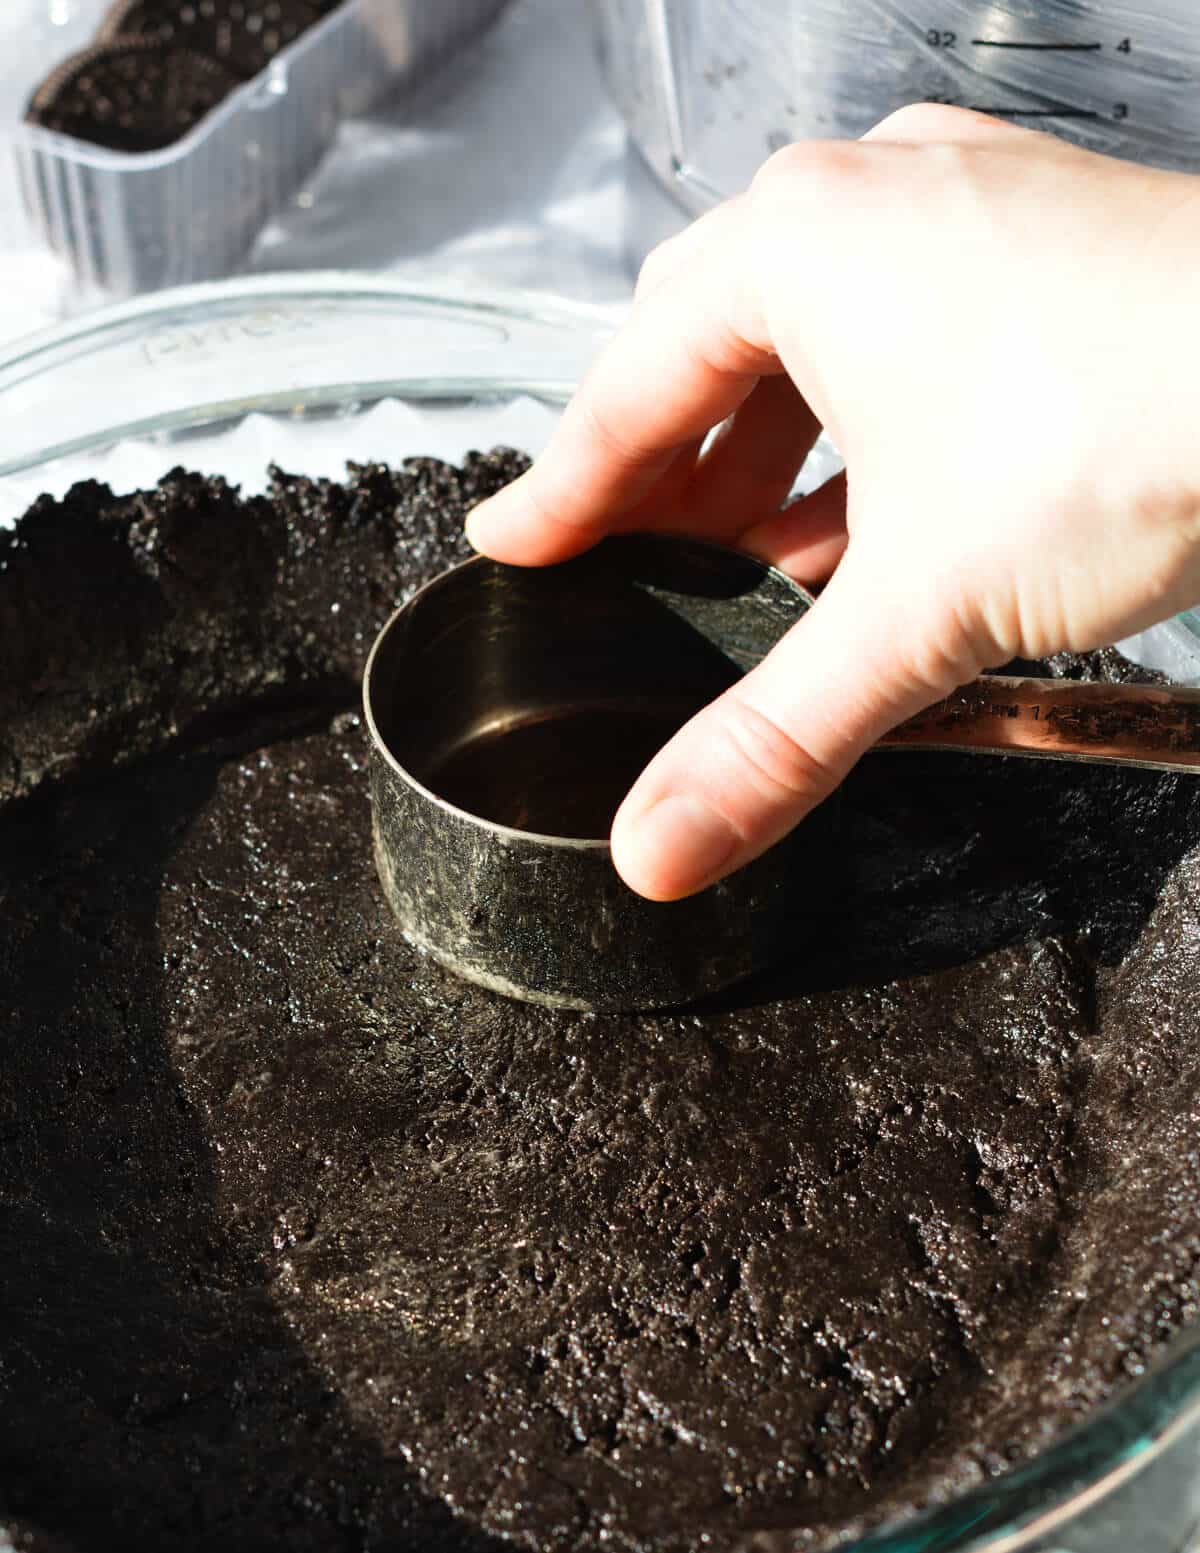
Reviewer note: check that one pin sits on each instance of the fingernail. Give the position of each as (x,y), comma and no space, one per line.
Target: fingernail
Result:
(678,846)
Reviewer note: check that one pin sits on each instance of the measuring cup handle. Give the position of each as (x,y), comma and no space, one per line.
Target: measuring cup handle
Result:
(1128,725)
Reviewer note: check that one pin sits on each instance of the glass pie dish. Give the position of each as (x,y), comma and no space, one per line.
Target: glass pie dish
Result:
(309,371)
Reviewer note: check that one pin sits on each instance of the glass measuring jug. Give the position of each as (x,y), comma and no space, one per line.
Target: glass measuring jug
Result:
(710,88)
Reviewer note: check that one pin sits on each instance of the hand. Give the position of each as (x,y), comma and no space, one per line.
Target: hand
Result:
(1000,333)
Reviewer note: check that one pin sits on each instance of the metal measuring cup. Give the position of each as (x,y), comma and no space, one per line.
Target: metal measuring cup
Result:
(508,710)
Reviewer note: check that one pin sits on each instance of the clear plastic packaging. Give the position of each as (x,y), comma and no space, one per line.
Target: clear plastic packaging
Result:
(130,222)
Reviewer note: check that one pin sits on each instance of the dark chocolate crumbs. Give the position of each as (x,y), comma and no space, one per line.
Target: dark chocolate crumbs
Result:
(305,1244)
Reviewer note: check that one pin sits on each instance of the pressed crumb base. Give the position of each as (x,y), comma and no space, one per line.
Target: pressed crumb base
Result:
(305,1244)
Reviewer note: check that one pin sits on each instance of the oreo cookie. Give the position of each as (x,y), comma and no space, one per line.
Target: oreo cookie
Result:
(137,94)
(244,35)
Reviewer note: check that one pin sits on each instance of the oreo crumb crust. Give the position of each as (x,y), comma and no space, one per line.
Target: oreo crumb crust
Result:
(305,1244)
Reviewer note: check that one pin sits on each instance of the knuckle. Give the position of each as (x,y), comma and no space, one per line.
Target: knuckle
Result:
(653,268)
(599,419)
(775,764)
(812,163)
(931,122)
(931,666)
(923,121)
(940,638)
(780,167)
(672,254)
(1001,624)
(543,502)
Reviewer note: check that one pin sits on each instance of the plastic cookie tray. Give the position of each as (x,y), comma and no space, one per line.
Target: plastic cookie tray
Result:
(130,222)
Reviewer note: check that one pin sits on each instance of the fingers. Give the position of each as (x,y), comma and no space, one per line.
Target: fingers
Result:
(670,258)
(748,768)
(696,344)
(744,475)
(807,539)
(686,359)
(751,465)
(661,267)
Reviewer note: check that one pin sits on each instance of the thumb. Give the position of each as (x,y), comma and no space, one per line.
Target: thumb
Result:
(745,770)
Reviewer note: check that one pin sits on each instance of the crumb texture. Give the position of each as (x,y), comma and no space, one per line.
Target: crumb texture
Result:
(305,1244)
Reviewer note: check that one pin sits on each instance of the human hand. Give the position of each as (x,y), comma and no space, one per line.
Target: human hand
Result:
(1000,333)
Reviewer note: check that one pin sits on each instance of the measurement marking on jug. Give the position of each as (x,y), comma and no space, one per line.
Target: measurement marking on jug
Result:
(1045,113)
(1061,48)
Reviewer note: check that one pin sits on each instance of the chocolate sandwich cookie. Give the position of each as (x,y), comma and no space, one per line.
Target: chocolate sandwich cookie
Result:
(244,35)
(139,94)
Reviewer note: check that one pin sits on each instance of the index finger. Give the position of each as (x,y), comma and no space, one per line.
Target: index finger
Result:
(688,355)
